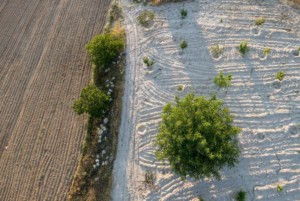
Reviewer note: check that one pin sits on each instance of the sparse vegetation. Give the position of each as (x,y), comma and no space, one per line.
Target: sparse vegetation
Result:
(183,13)
(243,48)
(104,48)
(183,44)
(216,50)
(240,196)
(180,88)
(148,61)
(115,12)
(145,18)
(298,49)
(280,75)
(92,101)
(223,80)
(266,51)
(279,188)
(149,178)
(200,199)
(197,137)
(260,21)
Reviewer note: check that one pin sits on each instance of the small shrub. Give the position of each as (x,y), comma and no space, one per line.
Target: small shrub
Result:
(298,49)
(183,13)
(149,178)
(280,75)
(279,188)
(223,81)
(183,44)
(266,51)
(241,196)
(180,88)
(243,47)
(200,199)
(148,61)
(145,18)
(216,50)
(221,20)
(259,21)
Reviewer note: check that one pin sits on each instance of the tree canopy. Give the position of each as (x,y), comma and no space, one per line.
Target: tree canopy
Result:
(197,137)
(92,101)
(104,48)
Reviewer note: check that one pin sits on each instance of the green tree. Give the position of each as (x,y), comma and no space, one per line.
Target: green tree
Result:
(223,80)
(104,48)
(92,101)
(197,137)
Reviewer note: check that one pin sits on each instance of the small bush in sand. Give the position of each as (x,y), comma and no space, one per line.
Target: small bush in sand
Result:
(223,80)
(298,49)
(149,178)
(148,61)
(92,101)
(279,188)
(183,44)
(280,75)
(216,50)
(183,13)
(200,199)
(145,18)
(243,48)
(260,21)
(180,88)
(196,137)
(240,196)
(266,51)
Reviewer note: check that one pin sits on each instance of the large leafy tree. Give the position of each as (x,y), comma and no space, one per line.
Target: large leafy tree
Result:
(92,101)
(197,137)
(104,48)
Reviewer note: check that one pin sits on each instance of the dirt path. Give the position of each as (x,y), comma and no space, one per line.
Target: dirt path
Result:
(43,66)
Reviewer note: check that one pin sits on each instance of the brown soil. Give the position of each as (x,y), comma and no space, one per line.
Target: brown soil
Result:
(43,67)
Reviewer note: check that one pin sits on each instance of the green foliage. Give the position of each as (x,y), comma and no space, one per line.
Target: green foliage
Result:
(267,51)
(183,44)
(148,61)
(92,101)
(145,18)
(259,21)
(241,196)
(221,20)
(216,50)
(279,188)
(223,80)
(280,75)
(104,48)
(298,49)
(243,47)
(183,13)
(200,199)
(149,178)
(197,137)
(180,88)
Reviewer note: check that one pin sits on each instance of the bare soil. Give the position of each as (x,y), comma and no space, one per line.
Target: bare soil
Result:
(43,67)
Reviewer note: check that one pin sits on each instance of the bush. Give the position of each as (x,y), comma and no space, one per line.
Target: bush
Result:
(279,188)
(216,50)
(280,75)
(183,44)
(149,178)
(267,51)
(92,101)
(222,80)
(243,47)
(197,137)
(145,18)
(259,21)
(147,61)
(183,13)
(179,87)
(104,48)
(241,196)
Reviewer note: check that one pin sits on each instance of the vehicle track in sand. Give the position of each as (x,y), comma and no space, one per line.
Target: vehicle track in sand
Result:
(43,67)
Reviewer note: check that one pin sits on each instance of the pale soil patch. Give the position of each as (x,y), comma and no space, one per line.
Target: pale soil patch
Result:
(43,67)
(266,110)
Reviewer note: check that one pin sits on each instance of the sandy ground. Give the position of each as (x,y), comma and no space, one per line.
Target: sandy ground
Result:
(267,110)
(43,66)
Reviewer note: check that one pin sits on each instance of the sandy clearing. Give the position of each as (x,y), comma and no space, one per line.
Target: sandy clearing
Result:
(267,110)
(43,66)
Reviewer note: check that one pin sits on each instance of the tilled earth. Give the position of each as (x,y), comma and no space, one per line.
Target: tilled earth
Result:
(43,67)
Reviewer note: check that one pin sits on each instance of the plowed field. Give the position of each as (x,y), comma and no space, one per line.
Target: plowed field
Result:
(43,67)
